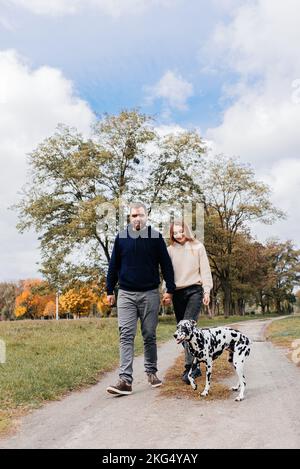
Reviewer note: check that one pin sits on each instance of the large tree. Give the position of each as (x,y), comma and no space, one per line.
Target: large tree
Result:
(285,259)
(233,198)
(71,178)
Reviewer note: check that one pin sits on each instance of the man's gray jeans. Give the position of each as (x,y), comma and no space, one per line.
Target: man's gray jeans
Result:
(131,306)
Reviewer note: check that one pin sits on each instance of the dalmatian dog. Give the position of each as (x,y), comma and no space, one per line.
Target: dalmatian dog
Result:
(208,344)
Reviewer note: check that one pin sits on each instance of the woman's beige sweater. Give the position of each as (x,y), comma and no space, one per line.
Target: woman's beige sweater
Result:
(191,265)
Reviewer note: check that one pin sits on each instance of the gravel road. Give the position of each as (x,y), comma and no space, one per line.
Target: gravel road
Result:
(269,417)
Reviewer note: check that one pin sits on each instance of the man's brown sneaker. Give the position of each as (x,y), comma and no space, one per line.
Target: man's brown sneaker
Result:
(121,387)
(153,380)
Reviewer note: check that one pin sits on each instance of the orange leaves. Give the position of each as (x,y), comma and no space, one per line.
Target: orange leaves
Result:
(50,309)
(36,300)
(30,303)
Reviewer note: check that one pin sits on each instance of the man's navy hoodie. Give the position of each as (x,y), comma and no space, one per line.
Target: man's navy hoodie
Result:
(135,261)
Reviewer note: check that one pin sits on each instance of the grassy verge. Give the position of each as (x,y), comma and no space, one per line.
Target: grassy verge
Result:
(204,321)
(286,333)
(48,359)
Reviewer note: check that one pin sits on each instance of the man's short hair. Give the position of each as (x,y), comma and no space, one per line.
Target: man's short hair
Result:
(138,205)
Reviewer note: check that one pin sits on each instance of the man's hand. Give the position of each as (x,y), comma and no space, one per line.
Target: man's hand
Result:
(166,299)
(111,299)
(206,299)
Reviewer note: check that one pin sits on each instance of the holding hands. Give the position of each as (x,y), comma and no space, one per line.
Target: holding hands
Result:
(166,299)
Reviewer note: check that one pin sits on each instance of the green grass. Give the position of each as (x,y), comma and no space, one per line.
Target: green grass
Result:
(204,321)
(284,331)
(47,359)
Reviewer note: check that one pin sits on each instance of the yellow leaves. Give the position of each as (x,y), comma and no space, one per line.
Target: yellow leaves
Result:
(102,305)
(20,311)
(78,301)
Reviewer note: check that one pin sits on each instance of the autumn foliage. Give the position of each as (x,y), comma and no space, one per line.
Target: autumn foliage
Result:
(36,301)
(30,303)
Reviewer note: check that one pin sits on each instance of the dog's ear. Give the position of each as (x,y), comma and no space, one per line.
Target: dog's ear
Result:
(194,323)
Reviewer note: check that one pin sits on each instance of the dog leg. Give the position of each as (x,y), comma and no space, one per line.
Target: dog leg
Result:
(236,388)
(239,367)
(230,360)
(190,375)
(208,376)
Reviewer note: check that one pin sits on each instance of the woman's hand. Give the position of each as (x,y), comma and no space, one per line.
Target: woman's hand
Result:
(206,299)
(166,299)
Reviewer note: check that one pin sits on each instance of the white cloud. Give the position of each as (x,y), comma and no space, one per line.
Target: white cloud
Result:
(164,130)
(33,102)
(262,38)
(260,45)
(48,7)
(113,8)
(284,178)
(262,125)
(172,89)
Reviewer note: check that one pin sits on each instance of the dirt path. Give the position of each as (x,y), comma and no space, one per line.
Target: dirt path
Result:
(269,417)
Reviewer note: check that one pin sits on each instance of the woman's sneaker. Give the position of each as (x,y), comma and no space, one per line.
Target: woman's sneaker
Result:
(121,387)
(153,380)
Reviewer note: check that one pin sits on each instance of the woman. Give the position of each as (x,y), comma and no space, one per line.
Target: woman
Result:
(193,280)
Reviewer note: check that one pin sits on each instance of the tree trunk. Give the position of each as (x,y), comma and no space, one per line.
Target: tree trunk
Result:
(213,306)
(278,306)
(227,300)
(241,307)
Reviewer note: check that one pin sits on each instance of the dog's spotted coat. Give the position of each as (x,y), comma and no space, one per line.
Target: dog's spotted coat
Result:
(208,344)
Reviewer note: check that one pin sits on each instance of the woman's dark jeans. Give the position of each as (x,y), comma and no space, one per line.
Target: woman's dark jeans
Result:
(187,303)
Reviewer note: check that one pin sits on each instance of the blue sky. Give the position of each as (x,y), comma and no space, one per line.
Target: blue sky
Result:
(110,60)
(229,68)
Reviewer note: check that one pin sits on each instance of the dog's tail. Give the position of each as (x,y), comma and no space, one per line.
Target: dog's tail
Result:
(248,343)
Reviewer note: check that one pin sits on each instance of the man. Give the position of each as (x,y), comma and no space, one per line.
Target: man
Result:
(138,252)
